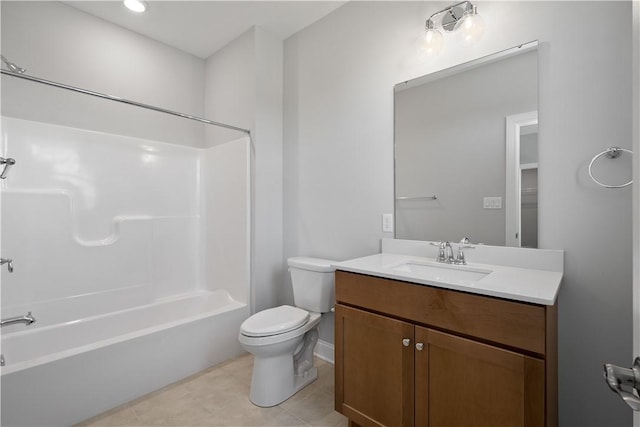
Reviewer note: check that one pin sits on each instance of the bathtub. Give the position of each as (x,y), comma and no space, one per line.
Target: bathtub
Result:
(63,373)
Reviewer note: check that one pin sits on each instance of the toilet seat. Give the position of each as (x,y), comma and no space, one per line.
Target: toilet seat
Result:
(274,321)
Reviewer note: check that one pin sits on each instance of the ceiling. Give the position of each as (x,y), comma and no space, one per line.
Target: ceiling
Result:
(203,27)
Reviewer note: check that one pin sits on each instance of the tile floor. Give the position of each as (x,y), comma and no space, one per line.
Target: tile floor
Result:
(219,396)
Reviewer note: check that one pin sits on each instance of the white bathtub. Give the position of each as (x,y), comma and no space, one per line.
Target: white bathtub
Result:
(63,373)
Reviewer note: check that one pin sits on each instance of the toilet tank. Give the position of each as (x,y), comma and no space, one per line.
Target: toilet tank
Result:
(313,283)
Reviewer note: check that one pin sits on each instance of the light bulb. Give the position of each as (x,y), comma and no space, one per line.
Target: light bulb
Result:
(137,6)
(432,41)
(471,26)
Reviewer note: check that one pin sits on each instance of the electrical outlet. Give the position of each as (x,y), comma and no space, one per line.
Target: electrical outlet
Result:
(387,223)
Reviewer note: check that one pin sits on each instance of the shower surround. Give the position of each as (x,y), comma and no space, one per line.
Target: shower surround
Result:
(133,256)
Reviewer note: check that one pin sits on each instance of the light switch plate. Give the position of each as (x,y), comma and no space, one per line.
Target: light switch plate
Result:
(492,203)
(387,223)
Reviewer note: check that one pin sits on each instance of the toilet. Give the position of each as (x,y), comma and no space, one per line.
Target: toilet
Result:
(282,339)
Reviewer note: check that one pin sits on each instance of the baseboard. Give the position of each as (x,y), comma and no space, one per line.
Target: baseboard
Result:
(324,351)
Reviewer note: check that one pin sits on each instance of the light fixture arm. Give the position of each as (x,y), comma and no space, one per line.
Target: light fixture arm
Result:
(453,9)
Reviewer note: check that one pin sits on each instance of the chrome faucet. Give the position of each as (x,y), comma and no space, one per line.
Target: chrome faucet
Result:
(445,252)
(448,253)
(7,162)
(27,319)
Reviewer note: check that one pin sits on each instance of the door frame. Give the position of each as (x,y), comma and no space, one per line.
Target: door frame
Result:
(636,186)
(512,202)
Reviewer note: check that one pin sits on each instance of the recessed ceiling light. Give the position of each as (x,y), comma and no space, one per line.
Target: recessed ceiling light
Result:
(137,6)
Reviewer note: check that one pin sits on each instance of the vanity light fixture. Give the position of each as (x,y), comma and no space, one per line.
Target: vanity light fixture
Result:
(433,39)
(460,17)
(137,6)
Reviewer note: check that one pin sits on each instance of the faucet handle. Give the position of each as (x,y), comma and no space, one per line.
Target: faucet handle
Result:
(7,162)
(9,263)
(448,253)
(441,250)
(460,259)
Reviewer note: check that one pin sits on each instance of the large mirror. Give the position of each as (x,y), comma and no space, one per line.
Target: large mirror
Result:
(466,152)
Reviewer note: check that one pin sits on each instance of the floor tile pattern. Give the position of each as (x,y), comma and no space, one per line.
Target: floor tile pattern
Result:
(219,397)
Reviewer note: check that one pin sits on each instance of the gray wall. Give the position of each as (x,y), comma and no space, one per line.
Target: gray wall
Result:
(57,42)
(450,142)
(230,86)
(338,170)
(244,88)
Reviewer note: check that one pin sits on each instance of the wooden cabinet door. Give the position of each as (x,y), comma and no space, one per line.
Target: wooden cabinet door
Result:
(374,368)
(464,383)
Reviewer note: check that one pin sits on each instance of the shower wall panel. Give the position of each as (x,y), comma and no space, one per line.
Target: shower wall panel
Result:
(226,207)
(93,215)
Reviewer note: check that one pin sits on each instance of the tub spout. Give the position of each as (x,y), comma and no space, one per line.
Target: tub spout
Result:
(27,319)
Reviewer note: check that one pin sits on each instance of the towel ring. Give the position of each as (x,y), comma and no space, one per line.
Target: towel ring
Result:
(611,153)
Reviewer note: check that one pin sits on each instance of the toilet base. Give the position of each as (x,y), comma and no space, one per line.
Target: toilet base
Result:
(304,380)
(282,364)
(269,389)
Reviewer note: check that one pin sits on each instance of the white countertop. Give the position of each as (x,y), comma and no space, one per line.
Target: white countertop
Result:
(514,283)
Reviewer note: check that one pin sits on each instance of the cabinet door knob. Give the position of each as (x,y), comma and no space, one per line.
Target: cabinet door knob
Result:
(419,346)
(406,342)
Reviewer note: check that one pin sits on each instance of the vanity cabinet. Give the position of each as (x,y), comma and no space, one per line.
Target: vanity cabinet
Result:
(415,355)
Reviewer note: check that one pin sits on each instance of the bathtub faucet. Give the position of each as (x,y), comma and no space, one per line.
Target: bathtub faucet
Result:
(27,319)
(7,162)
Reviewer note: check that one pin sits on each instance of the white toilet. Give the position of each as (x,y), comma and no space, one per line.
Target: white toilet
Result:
(282,339)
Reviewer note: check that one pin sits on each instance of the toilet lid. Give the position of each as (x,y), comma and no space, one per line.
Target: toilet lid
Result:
(274,321)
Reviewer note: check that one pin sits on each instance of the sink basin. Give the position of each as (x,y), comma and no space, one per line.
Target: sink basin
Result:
(443,273)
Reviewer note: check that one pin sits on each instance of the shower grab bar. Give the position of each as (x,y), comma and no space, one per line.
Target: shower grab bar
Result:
(21,75)
(7,162)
